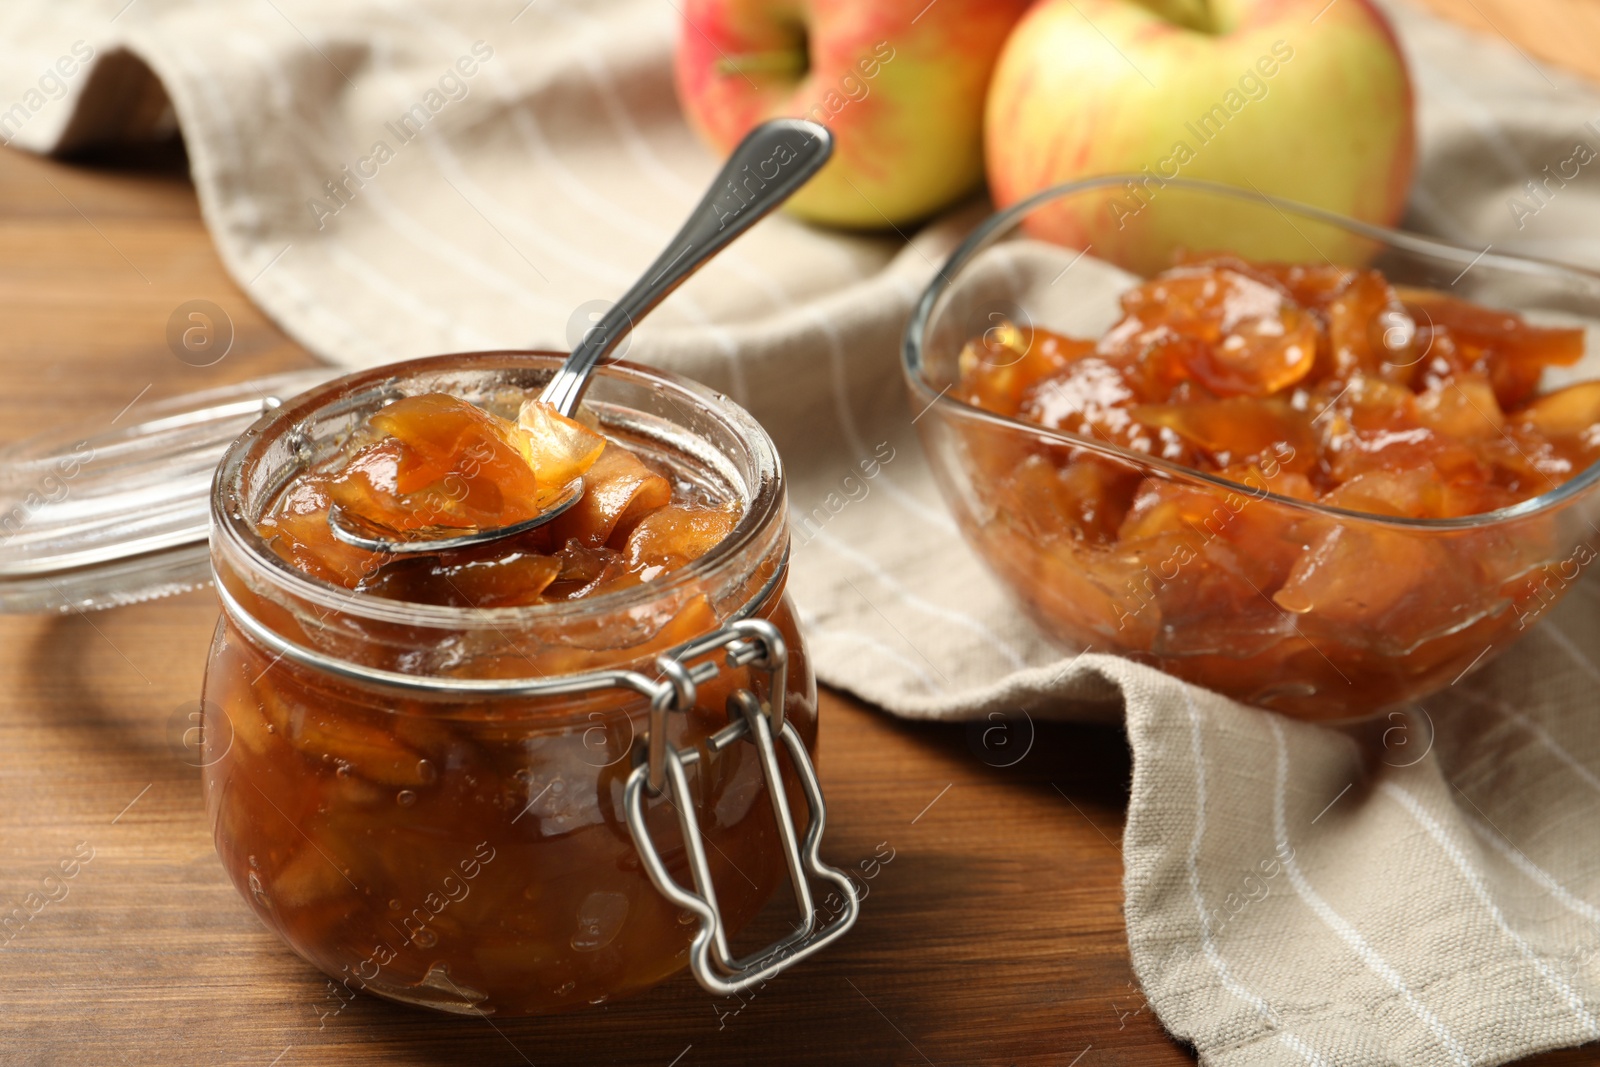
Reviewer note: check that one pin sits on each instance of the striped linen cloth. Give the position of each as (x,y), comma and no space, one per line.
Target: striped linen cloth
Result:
(392,178)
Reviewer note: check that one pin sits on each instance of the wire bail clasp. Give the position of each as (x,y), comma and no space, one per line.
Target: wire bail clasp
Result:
(754,643)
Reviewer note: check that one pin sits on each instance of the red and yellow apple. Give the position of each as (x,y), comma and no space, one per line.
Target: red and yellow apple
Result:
(900,83)
(1303,99)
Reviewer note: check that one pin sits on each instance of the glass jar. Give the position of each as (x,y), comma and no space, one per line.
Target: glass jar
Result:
(517,810)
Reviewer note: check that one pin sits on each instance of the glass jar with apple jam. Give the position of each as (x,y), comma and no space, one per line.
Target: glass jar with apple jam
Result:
(479,783)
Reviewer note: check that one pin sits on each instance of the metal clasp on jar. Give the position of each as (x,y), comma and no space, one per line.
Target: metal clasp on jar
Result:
(757,644)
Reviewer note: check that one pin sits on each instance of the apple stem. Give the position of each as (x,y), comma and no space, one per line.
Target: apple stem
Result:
(793,63)
(1195,14)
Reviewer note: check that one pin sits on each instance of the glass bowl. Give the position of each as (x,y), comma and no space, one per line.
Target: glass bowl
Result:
(1405,606)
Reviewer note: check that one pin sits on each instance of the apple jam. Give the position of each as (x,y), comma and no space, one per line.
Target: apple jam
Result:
(416,765)
(1281,384)
(438,464)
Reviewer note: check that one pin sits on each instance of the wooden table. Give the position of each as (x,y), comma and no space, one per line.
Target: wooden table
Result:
(993,936)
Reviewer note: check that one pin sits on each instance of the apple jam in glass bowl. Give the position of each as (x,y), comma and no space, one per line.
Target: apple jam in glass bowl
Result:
(1318,466)
(535,774)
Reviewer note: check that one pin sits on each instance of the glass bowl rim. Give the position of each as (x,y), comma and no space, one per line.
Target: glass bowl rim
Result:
(766,503)
(1000,223)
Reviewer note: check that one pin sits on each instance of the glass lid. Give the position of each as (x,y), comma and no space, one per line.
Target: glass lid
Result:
(89,522)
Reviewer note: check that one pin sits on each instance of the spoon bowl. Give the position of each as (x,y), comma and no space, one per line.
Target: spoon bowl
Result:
(421,542)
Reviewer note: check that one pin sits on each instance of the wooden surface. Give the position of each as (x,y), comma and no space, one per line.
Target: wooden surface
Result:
(994,935)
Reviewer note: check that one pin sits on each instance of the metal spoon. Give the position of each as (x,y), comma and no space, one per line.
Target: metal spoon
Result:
(767,167)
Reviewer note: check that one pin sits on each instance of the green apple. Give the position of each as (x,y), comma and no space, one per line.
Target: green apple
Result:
(1303,99)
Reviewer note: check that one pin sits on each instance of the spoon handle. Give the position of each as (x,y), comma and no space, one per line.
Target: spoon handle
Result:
(767,167)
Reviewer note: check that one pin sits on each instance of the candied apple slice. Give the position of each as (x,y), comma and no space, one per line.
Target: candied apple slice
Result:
(309,876)
(1311,285)
(1091,590)
(619,490)
(1076,395)
(1374,425)
(591,647)
(672,536)
(1202,561)
(1500,343)
(693,620)
(1505,332)
(441,434)
(1156,362)
(1571,412)
(1085,501)
(615,576)
(1465,407)
(999,367)
(1560,433)
(368,748)
(1253,340)
(444,465)
(297,530)
(1090,398)
(581,563)
(1216,606)
(493,579)
(559,449)
(1203,302)
(1259,356)
(1370,331)
(1385,588)
(1412,493)
(1239,429)
(1272,477)
(1355,575)
(1096,495)
(447,461)
(1260,532)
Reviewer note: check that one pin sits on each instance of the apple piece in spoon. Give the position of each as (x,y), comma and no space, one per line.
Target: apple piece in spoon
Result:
(559,449)
(443,465)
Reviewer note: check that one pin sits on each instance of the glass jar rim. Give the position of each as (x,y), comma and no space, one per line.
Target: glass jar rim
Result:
(764,503)
(1000,224)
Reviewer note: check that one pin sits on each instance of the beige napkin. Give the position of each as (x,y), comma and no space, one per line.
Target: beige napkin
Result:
(1293,895)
